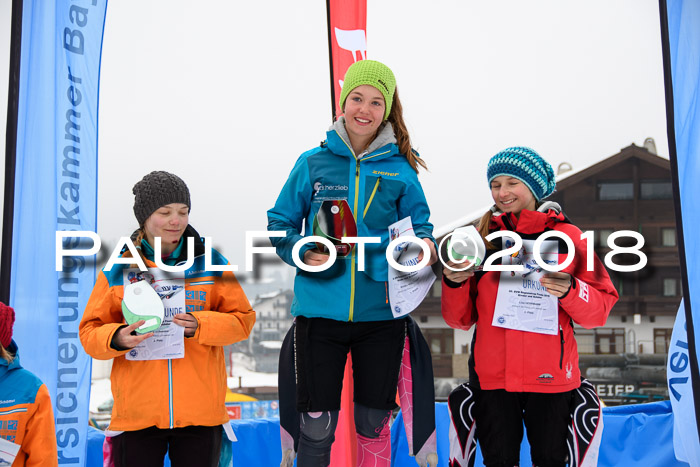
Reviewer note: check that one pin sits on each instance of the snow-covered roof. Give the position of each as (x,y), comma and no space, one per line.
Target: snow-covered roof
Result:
(274,345)
(269,294)
(475,215)
(464,220)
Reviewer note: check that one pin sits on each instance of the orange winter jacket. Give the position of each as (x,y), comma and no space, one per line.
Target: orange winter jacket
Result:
(179,392)
(26,414)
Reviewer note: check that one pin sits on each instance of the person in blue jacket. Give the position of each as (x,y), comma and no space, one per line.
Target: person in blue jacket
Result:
(367,161)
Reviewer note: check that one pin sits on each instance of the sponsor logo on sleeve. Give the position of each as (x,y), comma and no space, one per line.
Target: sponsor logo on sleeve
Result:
(583,291)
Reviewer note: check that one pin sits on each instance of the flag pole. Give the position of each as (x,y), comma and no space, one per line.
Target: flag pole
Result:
(11,150)
(330,58)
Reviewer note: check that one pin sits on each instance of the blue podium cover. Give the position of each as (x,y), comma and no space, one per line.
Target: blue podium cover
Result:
(634,435)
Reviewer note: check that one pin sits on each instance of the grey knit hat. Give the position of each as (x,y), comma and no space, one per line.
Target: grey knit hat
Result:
(157,189)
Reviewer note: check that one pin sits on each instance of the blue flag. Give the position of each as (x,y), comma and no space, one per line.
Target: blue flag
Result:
(680,25)
(685,433)
(56,189)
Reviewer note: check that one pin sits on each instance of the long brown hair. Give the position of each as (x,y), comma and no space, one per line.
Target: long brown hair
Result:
(403,140)
(6,354)
(483,228)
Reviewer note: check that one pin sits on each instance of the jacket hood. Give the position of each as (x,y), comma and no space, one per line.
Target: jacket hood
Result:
(5,366)
(546,217)
(385,136)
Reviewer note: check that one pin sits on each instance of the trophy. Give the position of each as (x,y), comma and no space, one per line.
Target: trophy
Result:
(142,302)
(335,220)
(466,244)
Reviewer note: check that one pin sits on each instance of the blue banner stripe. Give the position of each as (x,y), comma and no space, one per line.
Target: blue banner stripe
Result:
(56,189)
(680,25)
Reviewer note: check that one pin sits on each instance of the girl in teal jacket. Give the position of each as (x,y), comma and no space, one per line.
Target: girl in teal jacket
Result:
(366,161)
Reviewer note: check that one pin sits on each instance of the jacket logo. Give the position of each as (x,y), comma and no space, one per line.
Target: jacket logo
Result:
(569,370)
(583,291)
(195,300)
(545,378)
(386,174)
(318,186)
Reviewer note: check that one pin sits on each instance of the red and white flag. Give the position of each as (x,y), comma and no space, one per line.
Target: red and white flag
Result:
(347,25)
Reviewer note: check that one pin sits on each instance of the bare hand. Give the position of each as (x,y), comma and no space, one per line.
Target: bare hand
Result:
(433,254)
(556,283)
(125,340)
(315,257)
(458,276)
(188,322)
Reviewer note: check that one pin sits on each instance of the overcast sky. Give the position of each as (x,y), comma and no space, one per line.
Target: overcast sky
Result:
(228,94)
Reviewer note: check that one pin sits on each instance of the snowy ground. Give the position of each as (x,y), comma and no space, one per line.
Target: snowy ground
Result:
(100,392)
(248,379)
(243,377)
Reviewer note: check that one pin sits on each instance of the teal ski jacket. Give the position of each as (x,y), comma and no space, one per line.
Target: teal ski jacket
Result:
(381,188)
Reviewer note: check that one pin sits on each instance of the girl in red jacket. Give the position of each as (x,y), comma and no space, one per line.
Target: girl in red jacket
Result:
(522,369)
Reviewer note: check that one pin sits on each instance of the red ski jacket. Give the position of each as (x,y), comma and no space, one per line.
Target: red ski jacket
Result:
(520,361)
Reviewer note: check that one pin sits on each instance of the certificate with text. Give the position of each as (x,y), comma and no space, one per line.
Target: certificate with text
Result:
(523,303)
(8,450)
(168,341)
(407,289)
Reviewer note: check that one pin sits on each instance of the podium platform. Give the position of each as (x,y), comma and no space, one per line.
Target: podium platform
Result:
(634,435)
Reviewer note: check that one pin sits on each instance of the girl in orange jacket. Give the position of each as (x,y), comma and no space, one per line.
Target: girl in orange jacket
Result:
(170,403)
(26,414)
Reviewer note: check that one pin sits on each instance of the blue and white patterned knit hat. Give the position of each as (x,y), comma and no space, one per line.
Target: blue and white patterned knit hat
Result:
(525,165)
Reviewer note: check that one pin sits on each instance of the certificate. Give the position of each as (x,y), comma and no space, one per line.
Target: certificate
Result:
(407,289)
(523,303)
(168,341)
(8,451)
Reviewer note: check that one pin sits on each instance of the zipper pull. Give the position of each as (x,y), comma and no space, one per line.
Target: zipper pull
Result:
(379,184)
(358,158)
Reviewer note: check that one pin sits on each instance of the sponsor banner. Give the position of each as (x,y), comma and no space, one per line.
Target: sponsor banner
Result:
(253,409)
(56,189)
(347,25)
(680,391)
(680,27)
